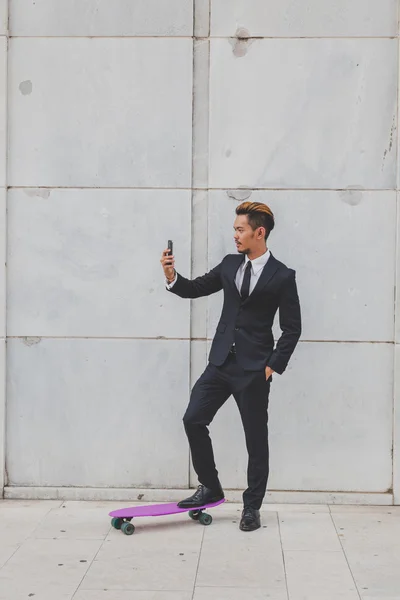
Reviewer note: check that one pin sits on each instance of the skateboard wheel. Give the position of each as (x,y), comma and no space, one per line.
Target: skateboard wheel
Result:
(116,523)
(194,514)
(127,528)
(205,519)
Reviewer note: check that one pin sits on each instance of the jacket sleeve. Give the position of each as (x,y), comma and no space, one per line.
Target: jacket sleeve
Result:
(205,285)
(290,324)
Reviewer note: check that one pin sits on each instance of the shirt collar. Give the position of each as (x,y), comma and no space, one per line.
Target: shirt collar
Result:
(258,263)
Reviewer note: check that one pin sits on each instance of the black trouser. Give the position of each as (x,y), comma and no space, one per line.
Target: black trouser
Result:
(250,390)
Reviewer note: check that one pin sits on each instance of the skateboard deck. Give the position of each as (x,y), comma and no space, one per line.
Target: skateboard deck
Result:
(121,519)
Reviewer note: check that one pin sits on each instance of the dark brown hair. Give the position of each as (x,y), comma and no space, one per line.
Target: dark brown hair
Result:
(258,215)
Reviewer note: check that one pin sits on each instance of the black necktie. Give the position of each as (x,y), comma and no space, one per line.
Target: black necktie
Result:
(245,289)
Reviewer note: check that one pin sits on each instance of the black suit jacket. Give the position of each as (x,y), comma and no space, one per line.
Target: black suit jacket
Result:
(248,324)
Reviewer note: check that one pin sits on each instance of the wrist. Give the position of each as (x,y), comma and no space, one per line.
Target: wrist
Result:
(171,279)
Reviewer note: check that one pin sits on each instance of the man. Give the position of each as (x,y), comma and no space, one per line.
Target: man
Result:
(242,358)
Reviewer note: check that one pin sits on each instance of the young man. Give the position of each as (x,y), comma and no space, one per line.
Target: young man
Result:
(242,358)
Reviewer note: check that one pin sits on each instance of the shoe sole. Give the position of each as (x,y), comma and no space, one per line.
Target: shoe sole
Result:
(249,529)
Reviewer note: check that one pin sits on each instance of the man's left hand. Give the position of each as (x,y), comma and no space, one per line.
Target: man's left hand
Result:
(268,373)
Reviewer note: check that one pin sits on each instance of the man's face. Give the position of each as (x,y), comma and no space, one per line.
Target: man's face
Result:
(244,236)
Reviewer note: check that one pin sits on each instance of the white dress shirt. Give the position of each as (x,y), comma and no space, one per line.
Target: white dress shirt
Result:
(257,266)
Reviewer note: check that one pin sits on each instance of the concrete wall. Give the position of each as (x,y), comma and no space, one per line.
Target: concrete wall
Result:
(130,123)
(3,193)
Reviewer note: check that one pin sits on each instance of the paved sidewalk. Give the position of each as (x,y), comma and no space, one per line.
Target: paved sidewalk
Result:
(64,551)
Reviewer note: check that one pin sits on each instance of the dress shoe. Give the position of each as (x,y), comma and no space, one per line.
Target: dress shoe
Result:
(201,497)
(250,520)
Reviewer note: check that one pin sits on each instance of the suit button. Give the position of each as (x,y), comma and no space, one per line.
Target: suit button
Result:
(236,328)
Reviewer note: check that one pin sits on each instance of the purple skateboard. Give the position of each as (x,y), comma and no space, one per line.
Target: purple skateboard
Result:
(121,519)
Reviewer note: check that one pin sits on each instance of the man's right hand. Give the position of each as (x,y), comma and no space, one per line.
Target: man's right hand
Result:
(168,264)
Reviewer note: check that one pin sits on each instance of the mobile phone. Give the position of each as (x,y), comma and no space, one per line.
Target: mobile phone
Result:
(170,247)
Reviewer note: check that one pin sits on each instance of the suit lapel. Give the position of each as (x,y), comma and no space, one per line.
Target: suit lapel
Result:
(266,274)
(239,259)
